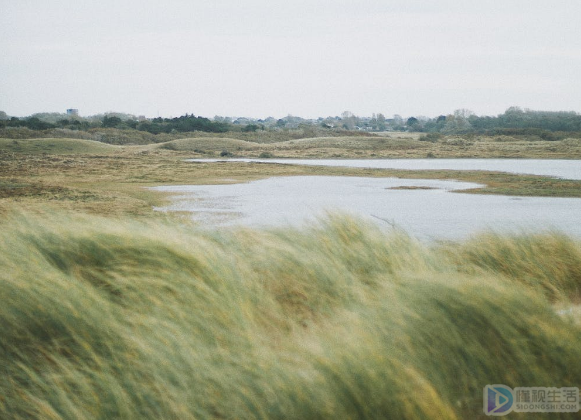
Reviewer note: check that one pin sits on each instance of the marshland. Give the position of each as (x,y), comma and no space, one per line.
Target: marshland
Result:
(302,210)
(113,310)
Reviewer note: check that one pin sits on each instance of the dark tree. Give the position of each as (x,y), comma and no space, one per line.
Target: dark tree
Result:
(412,121)
(111,122)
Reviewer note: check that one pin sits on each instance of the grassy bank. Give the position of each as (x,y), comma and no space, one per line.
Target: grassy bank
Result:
(54,146)
(104,318)
(390,145)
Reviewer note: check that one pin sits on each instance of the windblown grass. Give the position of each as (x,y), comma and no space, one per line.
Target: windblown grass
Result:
(105,318)
(549,262)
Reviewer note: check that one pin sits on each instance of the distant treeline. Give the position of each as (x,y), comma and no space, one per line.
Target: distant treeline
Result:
(514,121)
(185,123)
(546,125)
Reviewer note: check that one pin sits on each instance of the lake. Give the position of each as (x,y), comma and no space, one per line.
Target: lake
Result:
(428,209)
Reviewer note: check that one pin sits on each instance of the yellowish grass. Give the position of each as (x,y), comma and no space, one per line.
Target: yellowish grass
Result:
(108,318)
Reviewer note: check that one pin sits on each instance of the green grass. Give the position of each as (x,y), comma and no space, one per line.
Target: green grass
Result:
(103,318)
(57,146)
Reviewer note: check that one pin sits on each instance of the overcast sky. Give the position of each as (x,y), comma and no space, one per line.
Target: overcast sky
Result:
(309,58)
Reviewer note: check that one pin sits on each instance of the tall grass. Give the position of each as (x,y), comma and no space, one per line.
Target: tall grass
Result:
(106,319)
(549,262)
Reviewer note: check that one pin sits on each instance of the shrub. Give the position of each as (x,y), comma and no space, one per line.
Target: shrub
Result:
(431,137)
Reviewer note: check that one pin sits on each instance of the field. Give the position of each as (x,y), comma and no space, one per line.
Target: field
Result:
(111,310)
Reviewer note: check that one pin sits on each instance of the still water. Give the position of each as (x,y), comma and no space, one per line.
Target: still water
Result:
(430,211)
(570,169)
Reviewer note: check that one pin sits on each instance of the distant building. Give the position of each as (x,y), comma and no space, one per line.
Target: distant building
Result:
(73,112)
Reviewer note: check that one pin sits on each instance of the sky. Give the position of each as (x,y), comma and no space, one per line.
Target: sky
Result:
(308,58)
